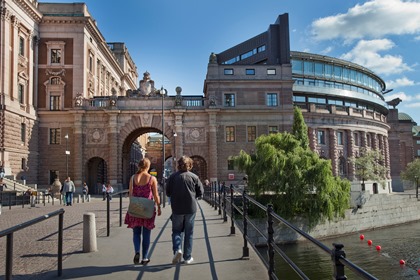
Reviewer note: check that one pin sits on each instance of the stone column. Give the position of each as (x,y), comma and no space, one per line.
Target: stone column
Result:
(350,153)
(375,141)
(363,139)
(212,134)
(77,157)
(179,139)
(333,150)
(113,160)
(387,159)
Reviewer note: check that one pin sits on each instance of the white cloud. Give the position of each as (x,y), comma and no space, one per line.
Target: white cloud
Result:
(417,38)
(401,82)
(413,105)
(403,96)
(366,53)
(327,50)
(373,19)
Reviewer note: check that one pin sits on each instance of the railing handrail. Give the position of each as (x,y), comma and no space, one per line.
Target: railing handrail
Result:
(338,256)
(9,243)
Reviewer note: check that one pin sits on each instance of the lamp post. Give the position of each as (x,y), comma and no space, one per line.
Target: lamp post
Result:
(417,186)
(162,93)
(67,154)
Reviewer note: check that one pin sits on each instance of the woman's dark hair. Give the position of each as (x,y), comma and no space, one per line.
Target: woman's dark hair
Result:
(185,163)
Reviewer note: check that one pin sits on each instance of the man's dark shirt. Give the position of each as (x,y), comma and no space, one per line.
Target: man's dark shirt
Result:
(184,187)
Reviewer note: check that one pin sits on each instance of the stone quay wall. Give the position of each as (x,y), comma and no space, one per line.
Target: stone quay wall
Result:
(379,210)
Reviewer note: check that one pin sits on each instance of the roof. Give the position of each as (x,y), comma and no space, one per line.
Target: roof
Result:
(404,117)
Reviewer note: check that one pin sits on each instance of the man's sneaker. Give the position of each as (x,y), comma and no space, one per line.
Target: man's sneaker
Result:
(136,259)
(189,261)
(177,257)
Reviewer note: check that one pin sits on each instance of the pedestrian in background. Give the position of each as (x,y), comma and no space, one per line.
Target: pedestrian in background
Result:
(142,184)
(109,190)
(183,187)
(103,191)
(2,172)
(68,189)
(85,190)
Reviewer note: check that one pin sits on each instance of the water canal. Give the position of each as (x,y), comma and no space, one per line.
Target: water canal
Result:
(397,243)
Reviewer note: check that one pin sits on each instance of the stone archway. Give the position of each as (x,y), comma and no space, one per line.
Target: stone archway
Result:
(97,171)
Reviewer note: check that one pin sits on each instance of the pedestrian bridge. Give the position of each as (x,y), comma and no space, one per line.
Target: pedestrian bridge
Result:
(217,254)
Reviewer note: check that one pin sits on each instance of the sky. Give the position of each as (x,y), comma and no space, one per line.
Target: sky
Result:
(173,40)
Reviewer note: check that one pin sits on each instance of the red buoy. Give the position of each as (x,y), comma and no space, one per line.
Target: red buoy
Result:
(378,248)
(369,242)
(362,237)
(418,271)
(402,261)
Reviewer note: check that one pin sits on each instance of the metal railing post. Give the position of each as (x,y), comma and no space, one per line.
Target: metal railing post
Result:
(220,201)
(245,249)
(336,254)
(60,244)
(121,197)
(224,206)
(108,218)
(9,256)
(215,196)
(270,241)
(232,209)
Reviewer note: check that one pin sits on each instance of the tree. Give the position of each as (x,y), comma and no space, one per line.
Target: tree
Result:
(300,129)
(370,166)
(412,173)
(299,182)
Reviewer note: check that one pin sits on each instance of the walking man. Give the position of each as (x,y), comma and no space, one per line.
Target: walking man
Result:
(183,187)
(68,189)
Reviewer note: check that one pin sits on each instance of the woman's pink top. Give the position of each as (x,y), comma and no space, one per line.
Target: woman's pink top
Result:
(141,191)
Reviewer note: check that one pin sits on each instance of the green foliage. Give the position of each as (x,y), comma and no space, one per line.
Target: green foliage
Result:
(412,171)
(299,182)
(370,166)
(300,129)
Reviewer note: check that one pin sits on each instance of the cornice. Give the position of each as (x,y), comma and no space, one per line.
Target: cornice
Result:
(30,9)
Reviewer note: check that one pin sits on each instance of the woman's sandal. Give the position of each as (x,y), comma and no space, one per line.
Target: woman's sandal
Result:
(145,261)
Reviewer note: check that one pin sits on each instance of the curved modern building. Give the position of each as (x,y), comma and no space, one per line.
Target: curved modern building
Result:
(342,103)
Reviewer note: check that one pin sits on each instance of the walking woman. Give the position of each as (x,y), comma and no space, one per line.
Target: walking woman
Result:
(142,184)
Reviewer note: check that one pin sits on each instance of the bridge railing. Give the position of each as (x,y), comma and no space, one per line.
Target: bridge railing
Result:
(235,202)
(9,242)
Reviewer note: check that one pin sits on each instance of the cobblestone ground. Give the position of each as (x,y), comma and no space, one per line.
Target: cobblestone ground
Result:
(35,247)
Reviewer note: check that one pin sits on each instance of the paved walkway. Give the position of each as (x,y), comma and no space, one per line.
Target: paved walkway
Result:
(217,254)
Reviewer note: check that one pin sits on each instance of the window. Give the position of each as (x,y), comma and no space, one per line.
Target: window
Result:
(252,133)
(21,46)
(55,134)
(272,129)
(418,153)
(271,71)
(21,93)
(91,62)
(368,141)
(250,71)
(418,142)
(272,99)
(231,165)
(229,100)
(230,134)
(55,103)
(261,48)
(356,137)
(340,138)
(23,132)
(56,56)
(229,71)
(321,137)
(23,164)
